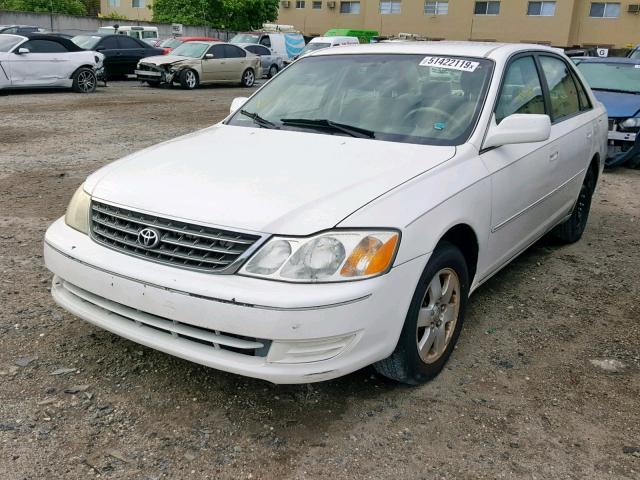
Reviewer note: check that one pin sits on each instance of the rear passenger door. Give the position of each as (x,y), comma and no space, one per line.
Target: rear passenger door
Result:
(520,173)
(571,132)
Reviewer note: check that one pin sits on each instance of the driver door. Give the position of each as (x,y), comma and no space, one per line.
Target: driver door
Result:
(213,68)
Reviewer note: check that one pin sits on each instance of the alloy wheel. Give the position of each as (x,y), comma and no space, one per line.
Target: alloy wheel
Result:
(248,78)
(86,81)
(438,315)
(190,79)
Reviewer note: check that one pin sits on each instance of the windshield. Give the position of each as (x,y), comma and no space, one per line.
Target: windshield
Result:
(170,43)
(190,49)
(7,42)
(624,77)
(88,42)
(392,97)
(245,38)
(314,46)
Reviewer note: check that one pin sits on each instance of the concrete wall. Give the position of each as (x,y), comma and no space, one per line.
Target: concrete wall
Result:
(77,25)
(569,26)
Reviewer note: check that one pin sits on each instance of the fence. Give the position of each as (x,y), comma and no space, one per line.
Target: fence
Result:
(77,25)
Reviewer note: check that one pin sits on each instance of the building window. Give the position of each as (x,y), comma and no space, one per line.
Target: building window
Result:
(114,3)
(542,9)
(387,8)
(604,10)
(137,3)
(487,8)
(316,5)
(436,8)
(300,4)
(350,7)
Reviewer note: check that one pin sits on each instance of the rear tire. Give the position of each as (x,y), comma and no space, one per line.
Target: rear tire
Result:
(84,80)
(248,78)
(189,79)
(273,71)
(571,230)
(434,320)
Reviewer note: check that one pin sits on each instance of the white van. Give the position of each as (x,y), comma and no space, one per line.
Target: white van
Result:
(287,44)
(146,34)
(318,43)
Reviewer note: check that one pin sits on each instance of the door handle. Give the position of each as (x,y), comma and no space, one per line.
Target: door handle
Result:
(589,134)
(554,156)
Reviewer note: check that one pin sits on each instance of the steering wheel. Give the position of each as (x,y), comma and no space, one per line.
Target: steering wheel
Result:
(430,110)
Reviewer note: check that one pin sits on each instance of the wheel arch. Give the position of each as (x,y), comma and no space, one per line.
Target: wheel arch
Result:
(88,65)
(595,165)
(464,237)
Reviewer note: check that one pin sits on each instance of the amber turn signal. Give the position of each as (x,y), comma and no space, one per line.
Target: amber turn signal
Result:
(370,257)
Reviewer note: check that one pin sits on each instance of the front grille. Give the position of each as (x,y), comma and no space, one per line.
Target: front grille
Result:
(146,66)
(181,244)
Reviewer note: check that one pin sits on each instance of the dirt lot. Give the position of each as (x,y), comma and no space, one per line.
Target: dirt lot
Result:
(520,397)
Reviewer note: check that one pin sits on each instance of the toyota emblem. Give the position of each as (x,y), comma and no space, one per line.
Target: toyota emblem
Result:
(149,237)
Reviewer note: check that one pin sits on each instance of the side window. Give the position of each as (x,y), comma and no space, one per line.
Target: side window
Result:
(109,43)
(128,42)
(231,51)
(562,89)
(266,41)
(252,49)
(44,46)
(521,90)
(218,51)
(585,103)
(262,51)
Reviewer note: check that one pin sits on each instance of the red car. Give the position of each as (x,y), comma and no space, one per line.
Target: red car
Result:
(171,43)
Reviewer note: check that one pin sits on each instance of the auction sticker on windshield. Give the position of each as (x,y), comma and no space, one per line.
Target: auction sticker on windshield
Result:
(450,63)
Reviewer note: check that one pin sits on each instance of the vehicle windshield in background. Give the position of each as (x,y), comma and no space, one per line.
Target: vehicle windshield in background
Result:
(190,49)
(7,42)
(88,42)
(623,77)
(170,43)
(314,46)
(393,97)
(245,38)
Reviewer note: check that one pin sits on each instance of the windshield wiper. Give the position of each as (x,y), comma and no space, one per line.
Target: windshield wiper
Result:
(615,90)
(258,120)
(330,125)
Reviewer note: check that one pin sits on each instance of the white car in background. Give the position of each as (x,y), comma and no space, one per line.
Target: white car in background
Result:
(319,43)
(270,61)
(384,193)
(47,61)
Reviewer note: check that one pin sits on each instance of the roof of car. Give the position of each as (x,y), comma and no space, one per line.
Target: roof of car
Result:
(464,49)
(195,39)
(627,60)
(68,44)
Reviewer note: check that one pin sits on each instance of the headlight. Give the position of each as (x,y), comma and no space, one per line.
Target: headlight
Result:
(77,215)
(631,123)
(327,257)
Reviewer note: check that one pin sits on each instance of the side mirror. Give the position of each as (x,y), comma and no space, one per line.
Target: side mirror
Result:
(518,128)
(208,56)
(236,103)
(22,51)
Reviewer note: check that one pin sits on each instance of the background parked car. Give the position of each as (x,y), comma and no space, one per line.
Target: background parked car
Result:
(319,43)
(289,45)
(271,61)
(146,34)
(615,82)
(195,63)
(37,60)
(122,53)
(21,29)
(170,43)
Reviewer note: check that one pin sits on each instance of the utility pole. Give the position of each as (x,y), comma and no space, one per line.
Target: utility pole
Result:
(51,13)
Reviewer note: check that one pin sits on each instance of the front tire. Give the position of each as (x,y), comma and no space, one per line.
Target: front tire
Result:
(434,320)
(189,79)
(84,80)
(571,230)
(248,78)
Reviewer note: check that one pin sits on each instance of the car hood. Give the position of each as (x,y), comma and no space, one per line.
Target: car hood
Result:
(619,104)
(166,59)
(262,180)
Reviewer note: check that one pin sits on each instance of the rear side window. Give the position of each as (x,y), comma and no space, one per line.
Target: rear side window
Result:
(259,50)
(562,89)
(231,51)
(44,46)
(128,42)
(521,90)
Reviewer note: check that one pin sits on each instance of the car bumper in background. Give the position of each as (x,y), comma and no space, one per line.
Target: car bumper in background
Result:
(622,147)
(280,332)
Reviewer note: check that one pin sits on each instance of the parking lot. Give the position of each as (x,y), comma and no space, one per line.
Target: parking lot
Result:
(544,382)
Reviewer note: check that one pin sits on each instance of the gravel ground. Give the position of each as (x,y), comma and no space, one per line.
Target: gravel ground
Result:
(544,382)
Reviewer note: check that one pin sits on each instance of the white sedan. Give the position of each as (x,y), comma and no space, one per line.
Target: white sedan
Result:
(47,61)
(388,193)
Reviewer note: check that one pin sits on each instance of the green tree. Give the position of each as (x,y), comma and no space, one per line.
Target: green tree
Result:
(69,7)
(227,14)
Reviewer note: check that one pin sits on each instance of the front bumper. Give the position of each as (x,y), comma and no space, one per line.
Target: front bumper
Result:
(621,147)
(280,332)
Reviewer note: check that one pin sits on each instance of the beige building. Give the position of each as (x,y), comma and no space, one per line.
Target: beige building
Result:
(560,23)
(132,9)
